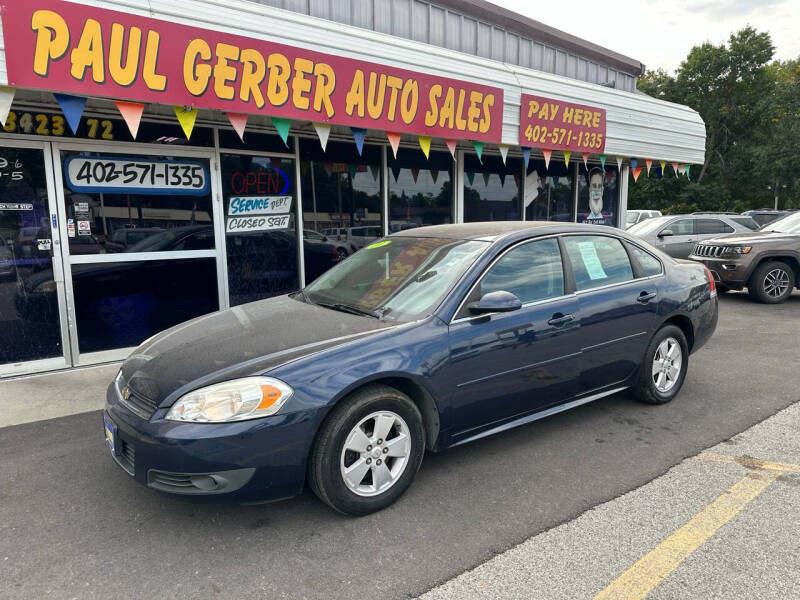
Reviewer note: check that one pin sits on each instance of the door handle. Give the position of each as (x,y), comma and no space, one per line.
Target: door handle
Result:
(559,319)
(646,297)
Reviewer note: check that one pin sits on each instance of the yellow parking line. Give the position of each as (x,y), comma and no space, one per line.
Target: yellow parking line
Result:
(749,462)
(653,568)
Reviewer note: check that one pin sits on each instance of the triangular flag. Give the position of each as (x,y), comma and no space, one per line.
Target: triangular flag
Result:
(619,163)
(425,144)
(359,133)
(633,163)
(376,171)
(186,117)
(683,169)
(72,107)
(394,141)
(636,172)
(567,154)
(323,131)
(554,181)
(6,97)
(434,174)
(486,177)
(414,173)
(663,164)
(526,157)
(352,168)
(451,145)
(603,161)
(687,171)
(502,179)
(238,122)
(470,177)
(479,150)
(649,164)
(282,125)
(585,156)
(396,173)
(547,154)
(675,168)
(503,152)
(516,179)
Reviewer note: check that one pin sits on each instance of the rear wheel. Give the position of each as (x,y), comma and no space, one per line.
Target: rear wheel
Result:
(368,451)
(664,368)
(772,282)
(341,254)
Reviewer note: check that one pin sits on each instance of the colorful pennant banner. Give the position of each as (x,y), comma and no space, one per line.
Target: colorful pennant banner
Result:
(323,132)
(636,171)
(603,161)
(394,141)
(425,144)
(526,157)
(585,156)
(649,164)
(359,133)
(72,107)
(567,154)
(503,152)
(282,125)
(6,98)
(547,153)
(238,121)
(479,150)
(186,117)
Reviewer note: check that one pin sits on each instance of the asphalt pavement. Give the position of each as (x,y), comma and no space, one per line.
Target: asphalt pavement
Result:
(74,525)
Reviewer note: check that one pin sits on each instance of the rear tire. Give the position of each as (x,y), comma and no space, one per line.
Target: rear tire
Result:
(664,368)
(772,282)
(367,451)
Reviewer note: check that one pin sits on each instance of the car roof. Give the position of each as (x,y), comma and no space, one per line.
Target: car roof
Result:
(494,230)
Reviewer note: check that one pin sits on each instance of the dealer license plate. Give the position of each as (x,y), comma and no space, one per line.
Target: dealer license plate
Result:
(109,429)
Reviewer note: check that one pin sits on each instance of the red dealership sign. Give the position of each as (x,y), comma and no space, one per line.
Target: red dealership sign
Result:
(66,47)
(557,125)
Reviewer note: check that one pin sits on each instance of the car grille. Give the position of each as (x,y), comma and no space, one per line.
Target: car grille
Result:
(126,457)
(708,250)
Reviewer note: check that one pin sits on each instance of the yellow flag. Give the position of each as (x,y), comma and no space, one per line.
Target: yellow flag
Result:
(425,144)
(186,117)
(567,154)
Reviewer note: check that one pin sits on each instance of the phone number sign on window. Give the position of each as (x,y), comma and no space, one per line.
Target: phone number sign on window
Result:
(135,176)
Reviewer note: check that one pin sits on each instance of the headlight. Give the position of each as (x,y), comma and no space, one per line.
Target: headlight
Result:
(236,400)
(737,250)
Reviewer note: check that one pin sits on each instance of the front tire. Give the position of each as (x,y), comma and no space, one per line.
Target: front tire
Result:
(368,451)
(772,282)
(664,367)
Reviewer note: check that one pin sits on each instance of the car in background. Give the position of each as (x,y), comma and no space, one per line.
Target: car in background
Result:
(356,237)
(764,216)
(429,339)
(25,245)
(766,262)
(632,217)
(128,236)
(340,249)
(677,235)
(6,258)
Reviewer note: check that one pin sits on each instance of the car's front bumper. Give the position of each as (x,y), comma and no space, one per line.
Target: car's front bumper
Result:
(259,459)
(727,271)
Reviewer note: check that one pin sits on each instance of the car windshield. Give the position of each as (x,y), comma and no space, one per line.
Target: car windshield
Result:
(397,278)
(790,224)
(648,225)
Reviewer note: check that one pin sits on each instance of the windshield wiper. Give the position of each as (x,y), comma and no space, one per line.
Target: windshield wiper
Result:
(349,308)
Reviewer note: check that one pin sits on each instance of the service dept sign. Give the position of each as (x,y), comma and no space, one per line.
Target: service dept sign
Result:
(258,213)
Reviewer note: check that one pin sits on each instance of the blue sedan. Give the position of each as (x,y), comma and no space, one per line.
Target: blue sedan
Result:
(426,339)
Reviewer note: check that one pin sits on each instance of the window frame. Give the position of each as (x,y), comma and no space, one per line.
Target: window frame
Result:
(566,270)
(668,225)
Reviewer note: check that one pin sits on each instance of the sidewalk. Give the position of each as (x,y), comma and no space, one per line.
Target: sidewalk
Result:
(50,395)
(723,524)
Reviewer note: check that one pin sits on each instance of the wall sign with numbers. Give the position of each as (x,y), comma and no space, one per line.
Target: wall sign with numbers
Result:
(36,123)
(115,175)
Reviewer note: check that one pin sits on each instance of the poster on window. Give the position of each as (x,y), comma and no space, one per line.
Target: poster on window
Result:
(598,197)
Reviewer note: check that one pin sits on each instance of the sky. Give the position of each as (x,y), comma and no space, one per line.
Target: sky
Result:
(660,34)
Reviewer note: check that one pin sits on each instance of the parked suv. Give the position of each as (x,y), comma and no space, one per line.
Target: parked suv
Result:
(677,234)
(765,216)
(766,262)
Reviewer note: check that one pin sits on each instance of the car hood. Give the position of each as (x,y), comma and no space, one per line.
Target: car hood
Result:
(236,342)
(756,237)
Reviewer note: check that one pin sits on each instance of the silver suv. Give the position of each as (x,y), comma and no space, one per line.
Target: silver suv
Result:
(677,235)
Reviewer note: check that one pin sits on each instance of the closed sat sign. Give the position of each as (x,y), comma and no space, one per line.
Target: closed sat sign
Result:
(257,223)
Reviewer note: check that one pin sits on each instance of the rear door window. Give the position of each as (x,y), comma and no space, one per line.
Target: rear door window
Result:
(597,261)
(711,226)
(649,263)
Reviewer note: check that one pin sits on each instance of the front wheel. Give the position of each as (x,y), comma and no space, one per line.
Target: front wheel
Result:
(368,451)
(664,367)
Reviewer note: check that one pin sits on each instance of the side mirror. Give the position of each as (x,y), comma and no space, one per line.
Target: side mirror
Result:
(666,233)
(499,301)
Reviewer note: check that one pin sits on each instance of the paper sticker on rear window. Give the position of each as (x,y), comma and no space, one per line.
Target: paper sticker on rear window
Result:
(594,268)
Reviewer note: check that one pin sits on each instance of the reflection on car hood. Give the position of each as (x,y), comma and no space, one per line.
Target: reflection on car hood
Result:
(755,237)
(239,341)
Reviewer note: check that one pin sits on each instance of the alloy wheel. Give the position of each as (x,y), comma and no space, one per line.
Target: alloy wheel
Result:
(667,363)
(375,453)
(776,283)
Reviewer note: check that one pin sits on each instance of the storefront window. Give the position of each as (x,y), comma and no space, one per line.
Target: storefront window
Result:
(260,226)
(121,304)
(258,142)
(420,189)
(123,203)
(598,196)
(341,201)
(549,192)
(491,189)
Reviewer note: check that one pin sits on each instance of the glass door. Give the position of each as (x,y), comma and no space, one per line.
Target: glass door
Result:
(33,332)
